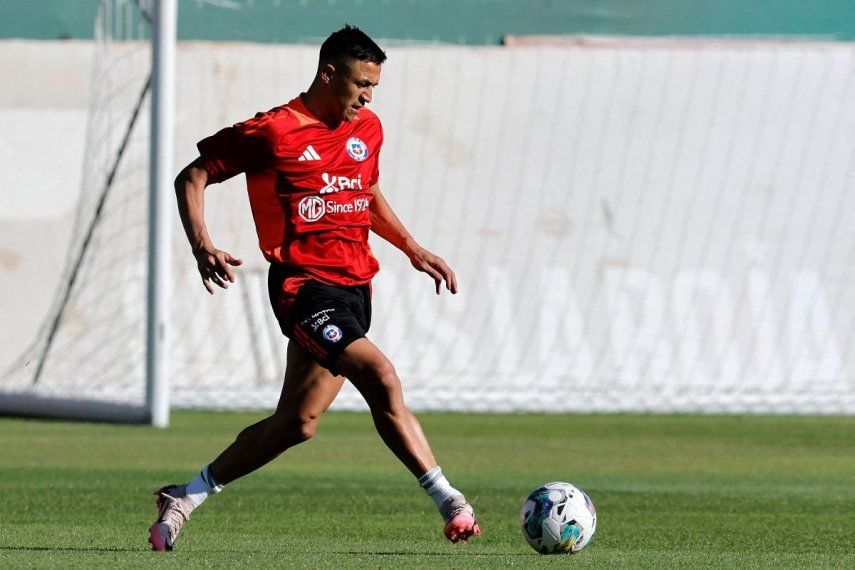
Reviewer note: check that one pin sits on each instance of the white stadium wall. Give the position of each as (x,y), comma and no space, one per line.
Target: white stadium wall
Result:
(43,106)
(663,226)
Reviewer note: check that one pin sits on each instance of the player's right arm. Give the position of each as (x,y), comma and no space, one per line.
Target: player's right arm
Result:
(214,264)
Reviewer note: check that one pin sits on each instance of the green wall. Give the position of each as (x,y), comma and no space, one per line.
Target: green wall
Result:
(455,21)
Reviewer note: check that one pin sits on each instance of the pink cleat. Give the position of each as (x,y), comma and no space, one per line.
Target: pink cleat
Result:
(174,509)
(460,523)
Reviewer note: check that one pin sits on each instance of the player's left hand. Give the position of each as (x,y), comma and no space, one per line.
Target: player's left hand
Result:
(432,264)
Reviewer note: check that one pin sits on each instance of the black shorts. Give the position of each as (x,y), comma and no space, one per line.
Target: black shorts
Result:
(325,319)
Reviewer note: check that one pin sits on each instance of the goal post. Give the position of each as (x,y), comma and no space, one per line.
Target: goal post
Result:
(160,207)
(133,76)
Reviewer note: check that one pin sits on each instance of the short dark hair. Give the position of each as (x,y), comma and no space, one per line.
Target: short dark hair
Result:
(350,42)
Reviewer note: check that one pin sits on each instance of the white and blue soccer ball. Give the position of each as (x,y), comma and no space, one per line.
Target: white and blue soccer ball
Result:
(558,518)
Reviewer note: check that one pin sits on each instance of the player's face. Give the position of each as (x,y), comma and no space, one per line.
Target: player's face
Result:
(352,86)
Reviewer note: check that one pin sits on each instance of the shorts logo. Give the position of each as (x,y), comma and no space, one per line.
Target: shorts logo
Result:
(357,149)
(332,333)
(311,208)
(316,320)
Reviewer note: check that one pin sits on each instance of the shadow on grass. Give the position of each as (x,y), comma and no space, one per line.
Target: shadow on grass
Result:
(388,553)
(349,552)
(70,548)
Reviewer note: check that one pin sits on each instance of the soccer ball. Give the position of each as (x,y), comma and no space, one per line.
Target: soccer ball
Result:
(558,518)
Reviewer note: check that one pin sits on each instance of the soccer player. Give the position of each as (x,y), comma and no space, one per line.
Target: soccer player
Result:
(312,169)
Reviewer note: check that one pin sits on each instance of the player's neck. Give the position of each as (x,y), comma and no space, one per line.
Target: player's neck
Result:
(313,99)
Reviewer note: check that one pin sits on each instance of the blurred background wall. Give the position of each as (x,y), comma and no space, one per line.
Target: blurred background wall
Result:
(747,98)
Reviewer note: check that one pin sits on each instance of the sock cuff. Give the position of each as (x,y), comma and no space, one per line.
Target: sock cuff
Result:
(209,479)
(428,478)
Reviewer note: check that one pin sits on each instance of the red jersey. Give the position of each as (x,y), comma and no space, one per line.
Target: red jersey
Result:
(309,188)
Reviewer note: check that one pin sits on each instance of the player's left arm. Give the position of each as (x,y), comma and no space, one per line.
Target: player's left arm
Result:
(386,224)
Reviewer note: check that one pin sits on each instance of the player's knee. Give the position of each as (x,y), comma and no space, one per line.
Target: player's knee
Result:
(387,391)
(306,429)
(386,375)
(290,432)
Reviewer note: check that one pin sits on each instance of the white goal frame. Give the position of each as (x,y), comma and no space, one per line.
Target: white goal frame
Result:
(162,16)
(160,206)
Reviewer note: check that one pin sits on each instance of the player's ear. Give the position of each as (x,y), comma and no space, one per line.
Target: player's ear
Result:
(327,72)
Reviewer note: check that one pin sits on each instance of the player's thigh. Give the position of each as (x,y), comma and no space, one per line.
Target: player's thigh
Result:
(309,388)
(371,372)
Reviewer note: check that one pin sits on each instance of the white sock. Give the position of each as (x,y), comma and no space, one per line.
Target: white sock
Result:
(437,487)
(203,485)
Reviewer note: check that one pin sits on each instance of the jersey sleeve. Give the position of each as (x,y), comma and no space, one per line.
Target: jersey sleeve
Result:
(375,171)
(245,147)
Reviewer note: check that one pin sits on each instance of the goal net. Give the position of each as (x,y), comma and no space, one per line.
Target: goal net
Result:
(636,225)
(85,360)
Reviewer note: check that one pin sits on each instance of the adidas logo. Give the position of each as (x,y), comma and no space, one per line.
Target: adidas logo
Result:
(310,154)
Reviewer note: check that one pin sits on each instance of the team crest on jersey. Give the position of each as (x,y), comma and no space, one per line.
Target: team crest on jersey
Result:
(332,333)
(357,149)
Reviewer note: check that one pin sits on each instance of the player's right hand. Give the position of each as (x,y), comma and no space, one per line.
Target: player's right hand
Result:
(215,267)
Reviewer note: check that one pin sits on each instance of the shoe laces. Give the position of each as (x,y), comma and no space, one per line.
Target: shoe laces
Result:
(456,505)
(174,513)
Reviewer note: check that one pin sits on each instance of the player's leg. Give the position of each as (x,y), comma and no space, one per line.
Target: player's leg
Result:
(374,376)
(307,392)
(376,379)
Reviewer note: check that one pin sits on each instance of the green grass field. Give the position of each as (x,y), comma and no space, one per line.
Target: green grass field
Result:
(679,491)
